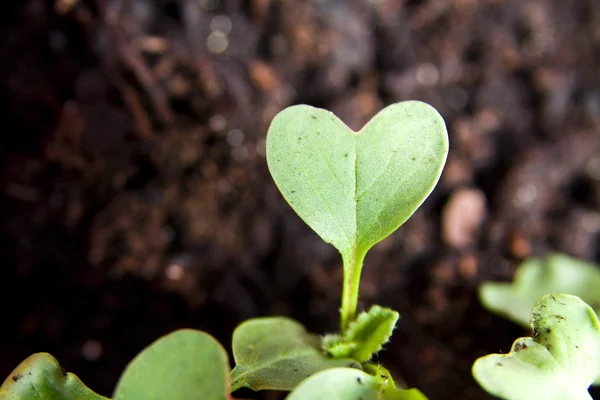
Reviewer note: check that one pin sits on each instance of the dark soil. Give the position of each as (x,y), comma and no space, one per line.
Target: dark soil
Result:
(136,199)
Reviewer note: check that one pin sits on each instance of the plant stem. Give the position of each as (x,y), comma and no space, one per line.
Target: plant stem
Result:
(352,269)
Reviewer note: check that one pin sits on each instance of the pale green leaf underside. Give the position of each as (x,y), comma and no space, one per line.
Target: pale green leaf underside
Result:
(365,336)
(277,353)
(348,383)
(183,365)
(354,189)
(559,362)
(40,377)
(536,277)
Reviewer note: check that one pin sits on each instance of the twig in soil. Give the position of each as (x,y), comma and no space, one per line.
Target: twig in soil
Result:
(62,7)
(141,120)
(111,11)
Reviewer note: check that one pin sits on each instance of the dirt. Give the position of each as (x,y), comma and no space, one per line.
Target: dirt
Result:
(136,199)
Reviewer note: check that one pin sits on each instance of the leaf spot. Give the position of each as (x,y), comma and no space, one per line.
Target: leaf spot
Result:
(520,346)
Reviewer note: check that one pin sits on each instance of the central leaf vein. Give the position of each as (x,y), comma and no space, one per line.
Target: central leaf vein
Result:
(327,204)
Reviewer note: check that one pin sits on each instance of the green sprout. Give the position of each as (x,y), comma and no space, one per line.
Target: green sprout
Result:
(183,365)
(559,362)
(536,277)
(346,383)
(40,376)
(277,353)
(355,188)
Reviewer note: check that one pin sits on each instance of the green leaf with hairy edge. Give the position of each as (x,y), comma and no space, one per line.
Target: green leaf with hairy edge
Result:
(348,383)
(277,353)
(40,377)
(183,365)
(365,336)
(536,277)
(559,362)
(356,188)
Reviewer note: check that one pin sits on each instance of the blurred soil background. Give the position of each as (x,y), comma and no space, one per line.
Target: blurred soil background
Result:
(135,197)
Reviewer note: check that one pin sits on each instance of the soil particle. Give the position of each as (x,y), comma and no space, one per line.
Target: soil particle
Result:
(462,217)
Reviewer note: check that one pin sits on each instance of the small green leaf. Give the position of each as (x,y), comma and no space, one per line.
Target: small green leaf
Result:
(356,188)
(348,383)
(183,365)
(40,377)
(559,362)
(277,353)
(365,336)
(536,277)
(338,347)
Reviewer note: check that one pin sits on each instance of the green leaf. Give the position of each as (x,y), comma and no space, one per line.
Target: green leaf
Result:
(348,383)
(536,277)
(559,362)
(365,336)
(40,377)
(355,189)
(183,365)
(277,353)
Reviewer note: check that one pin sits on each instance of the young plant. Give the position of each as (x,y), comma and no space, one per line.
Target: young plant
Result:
(353,189)
(184,365)
(559,362)
(41,377)
(277,353)
(536,277)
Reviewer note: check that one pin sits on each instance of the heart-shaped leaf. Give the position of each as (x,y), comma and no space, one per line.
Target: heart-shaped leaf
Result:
(365,336)
(183,365)
(536,277)
(356,188)
(348,383)
(559,362)
(40,377)
(277,353)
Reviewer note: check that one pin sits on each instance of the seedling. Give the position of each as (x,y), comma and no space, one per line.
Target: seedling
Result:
(40,377)
(536,277)
(353,189)
(277,353)
(183,365)
(559,362)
